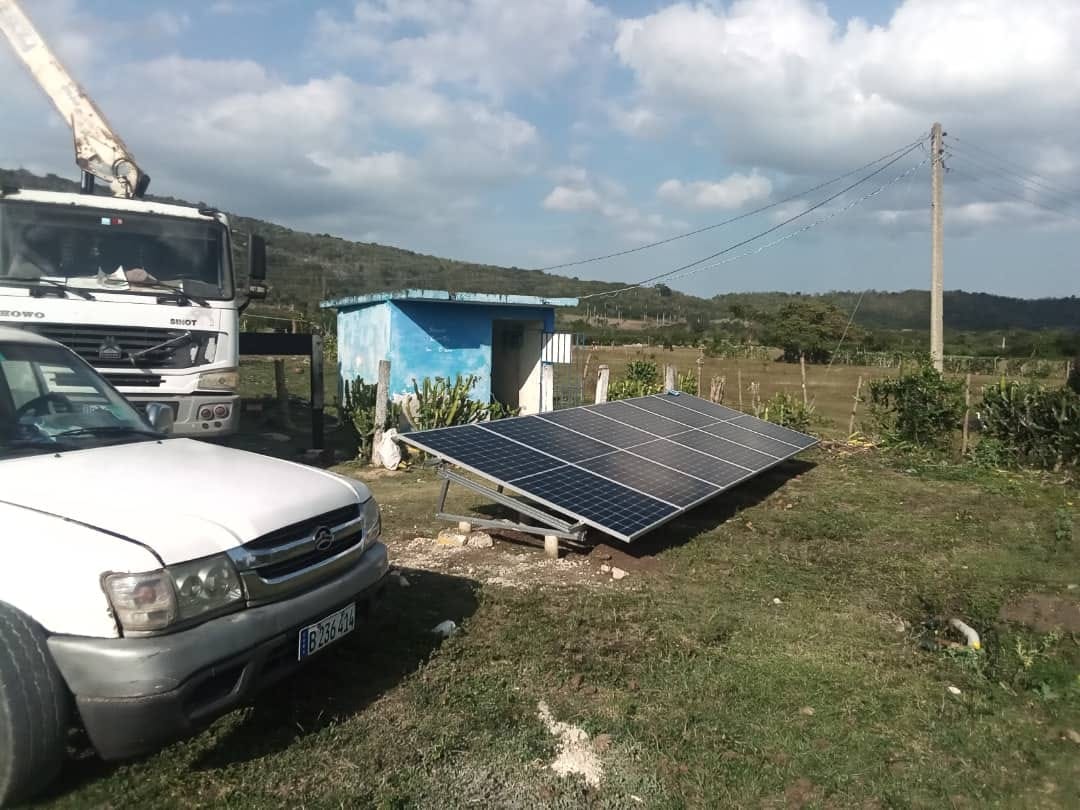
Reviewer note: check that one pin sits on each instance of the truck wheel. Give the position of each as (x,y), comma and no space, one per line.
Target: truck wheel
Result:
(34,709)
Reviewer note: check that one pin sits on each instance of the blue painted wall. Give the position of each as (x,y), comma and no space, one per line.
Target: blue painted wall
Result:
(425,339)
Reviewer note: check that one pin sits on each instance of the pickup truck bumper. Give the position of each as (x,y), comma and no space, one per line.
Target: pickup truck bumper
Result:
(137,694)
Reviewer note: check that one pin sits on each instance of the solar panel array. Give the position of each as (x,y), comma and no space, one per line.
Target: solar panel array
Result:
(622,467)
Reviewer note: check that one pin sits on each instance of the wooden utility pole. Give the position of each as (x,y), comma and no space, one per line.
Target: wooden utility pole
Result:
(937,282)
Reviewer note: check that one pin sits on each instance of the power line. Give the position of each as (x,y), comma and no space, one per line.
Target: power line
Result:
(1031,184)
(1013,194)
(677,237)
(1006,161)
(809,226)
(671,274)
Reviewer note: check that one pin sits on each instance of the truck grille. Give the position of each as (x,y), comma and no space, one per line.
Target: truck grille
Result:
(300,556)
(134,380)
(112,346)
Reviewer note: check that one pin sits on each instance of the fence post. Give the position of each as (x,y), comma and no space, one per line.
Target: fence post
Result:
(854,408)
(547,388)
(601,384)
(381,396)
(802,371)
(720,390)
(967,415)
(669,377)
(739,376)
(1068,371)
(700,365)
(282,392)
(585,374)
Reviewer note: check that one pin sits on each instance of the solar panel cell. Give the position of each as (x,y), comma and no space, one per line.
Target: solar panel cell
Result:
(578,492)
(665,406)
(725,450)
(644,476)
(491,455)
(690,402)
(749,438)
(598,427)
(635,417)
(787,435)
(709,468)
(558,441)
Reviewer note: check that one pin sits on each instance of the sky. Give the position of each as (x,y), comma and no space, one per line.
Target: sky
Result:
(532,134)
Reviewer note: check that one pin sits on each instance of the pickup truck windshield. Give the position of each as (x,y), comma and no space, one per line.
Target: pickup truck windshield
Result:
(101,249)
(51,401)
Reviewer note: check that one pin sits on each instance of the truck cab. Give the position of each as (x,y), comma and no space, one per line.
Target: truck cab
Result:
(143,291)
(150,583)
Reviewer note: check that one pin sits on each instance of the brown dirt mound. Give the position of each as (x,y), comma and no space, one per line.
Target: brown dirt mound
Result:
(1043,613)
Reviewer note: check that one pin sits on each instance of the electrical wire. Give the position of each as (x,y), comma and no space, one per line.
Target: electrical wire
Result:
(1027,182)
(731,220)
(1006,161)
(1008,193)
(678,271)
(693,268)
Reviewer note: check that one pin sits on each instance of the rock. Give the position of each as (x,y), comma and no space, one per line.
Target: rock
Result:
(445,629)
(450,539)
(776,600)
(1073,735)
(617,574)
(1072,586)
(953,690)
(276,437)
(480,540)
(605,568)
(807,711)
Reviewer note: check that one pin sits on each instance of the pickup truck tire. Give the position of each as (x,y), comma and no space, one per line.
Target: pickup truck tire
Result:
(34,709)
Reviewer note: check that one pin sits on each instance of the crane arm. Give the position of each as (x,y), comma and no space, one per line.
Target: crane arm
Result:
(98,150)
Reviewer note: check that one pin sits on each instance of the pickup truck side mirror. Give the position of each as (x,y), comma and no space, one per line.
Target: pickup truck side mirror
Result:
(160,417)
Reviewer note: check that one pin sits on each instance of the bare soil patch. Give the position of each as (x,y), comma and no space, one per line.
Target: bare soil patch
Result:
(1043,613)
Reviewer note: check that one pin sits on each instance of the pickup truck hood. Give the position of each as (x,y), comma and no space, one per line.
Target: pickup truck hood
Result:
(183,498)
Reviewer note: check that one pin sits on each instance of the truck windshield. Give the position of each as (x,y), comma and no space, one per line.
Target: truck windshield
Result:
(103,249)
(51,401)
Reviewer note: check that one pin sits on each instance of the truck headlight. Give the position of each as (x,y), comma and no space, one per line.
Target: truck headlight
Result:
(177,594)
(372,520)
(225,380)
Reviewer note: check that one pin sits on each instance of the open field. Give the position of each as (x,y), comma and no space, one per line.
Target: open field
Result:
(830,390)
(770,650)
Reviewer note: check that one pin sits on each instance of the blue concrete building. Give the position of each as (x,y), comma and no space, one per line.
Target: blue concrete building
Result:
(505,340)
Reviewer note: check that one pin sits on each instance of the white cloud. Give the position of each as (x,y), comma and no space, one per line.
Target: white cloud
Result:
(564,198)
(732,192)
(781,84)
(491,46)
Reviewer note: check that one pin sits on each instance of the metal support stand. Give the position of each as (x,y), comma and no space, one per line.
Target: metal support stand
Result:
(554,528)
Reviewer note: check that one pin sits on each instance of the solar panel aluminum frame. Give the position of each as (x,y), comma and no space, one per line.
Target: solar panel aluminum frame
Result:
(559,462)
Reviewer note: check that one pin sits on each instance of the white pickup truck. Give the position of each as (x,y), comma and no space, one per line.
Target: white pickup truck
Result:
(147,583)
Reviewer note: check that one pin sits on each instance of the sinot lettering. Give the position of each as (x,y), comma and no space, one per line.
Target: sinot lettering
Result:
(182,322)
(14,313)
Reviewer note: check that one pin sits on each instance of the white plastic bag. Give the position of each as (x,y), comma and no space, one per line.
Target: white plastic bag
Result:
(389,452)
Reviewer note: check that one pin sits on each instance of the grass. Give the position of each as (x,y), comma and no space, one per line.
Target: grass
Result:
(831,390)
(702,681)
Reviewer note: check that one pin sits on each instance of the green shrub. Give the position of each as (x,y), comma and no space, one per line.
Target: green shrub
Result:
(1040,426)
(687,383)
(787,411)
(441,403)
(358,414)
(921,409)
(642,377)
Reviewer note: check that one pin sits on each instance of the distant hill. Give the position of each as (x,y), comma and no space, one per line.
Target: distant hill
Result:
(305,268)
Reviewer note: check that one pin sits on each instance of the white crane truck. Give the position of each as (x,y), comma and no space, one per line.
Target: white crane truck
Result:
(144,291)
(150,625)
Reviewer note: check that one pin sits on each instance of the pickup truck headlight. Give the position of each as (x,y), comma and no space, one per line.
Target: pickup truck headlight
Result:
(372,520)
(177,594)
(226,380)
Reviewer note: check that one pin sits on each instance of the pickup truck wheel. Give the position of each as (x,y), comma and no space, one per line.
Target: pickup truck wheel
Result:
(34,709)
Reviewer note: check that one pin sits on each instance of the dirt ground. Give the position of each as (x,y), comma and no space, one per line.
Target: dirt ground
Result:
(1044,613)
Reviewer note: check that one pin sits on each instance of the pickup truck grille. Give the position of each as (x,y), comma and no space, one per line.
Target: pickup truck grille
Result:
(298,557)
(112,346)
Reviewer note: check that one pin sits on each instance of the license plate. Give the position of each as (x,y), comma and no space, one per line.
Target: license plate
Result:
(316,636)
